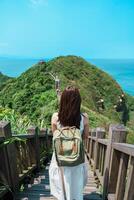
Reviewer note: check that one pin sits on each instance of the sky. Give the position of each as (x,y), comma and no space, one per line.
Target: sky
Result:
(49,28)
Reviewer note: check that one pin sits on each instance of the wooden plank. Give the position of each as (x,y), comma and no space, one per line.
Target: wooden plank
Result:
(88,145)
(125,148)
(19,157)
(117,133)
(10,167)
(115,161)
(106,169)
(100,156)
(92,137)
(90,149)
(32,152)
(103,160)
(24,136)
(3,191)
(41,189)
(121,182)
(129,192)
(100,133)
(93,151)
(35,131)
(111,196)
(96,154)
(92,197)
(103,141)
(4,172)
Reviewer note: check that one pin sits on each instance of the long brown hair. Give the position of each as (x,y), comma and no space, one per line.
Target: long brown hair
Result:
(69,112)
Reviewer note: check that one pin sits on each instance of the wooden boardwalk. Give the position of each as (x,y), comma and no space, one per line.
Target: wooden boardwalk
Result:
(111,158)
(40,189)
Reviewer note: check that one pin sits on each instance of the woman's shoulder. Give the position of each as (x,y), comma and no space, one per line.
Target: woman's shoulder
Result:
(55,114)
(85,118)
(54,118)
(85,115)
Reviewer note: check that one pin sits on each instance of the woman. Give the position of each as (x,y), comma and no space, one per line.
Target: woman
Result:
(73,177)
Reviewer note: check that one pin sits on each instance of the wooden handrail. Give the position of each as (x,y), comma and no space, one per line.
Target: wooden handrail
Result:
(23,155)
(103,141)
(113,162)
(112,159)
(124,148)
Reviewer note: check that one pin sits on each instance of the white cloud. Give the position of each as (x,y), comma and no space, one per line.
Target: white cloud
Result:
(38,2)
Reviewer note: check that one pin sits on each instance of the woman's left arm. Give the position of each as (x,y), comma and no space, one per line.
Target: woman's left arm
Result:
(86,127)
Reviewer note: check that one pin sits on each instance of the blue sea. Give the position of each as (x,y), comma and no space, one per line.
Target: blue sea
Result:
(122,70)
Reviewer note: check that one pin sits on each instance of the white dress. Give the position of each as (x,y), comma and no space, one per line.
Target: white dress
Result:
(75,178)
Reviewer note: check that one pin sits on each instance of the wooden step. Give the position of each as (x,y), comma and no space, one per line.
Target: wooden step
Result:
(40,189)
(3,191)
(32,194)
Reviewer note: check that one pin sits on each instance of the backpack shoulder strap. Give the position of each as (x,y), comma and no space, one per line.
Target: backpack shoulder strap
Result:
(82,124)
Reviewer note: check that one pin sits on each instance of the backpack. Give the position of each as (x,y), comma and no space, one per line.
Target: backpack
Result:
(68,146)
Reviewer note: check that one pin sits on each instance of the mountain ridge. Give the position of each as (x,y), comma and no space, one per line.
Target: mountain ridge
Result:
(31,89)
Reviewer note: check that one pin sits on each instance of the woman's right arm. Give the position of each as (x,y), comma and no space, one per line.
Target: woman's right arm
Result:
(54,120)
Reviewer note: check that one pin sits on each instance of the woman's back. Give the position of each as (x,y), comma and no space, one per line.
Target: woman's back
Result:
(84,124)
(72,177)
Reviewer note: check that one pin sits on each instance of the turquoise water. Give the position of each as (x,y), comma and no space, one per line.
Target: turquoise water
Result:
(122,70)
(14,67)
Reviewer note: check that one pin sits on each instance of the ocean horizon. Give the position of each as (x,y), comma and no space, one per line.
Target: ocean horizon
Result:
(122,70)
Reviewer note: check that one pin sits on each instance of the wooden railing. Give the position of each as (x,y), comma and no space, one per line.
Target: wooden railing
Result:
(112,161)
(21,156)
(111,158)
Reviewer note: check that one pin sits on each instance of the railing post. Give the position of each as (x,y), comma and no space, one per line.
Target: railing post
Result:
(9,159)
(117,133)
(93,132)
(35,131)
(100,134)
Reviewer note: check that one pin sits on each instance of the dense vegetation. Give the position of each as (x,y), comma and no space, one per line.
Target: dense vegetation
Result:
(19,123)
(33,93)
(3,78)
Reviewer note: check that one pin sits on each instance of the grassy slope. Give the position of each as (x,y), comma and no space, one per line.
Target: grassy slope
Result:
(3,79)
(33,92)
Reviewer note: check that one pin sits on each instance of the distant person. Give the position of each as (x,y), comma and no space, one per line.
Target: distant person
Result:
(57,83)
(122,107)
(67,182)
(100,104)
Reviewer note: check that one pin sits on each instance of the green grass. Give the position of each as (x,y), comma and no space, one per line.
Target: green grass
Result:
(32,94)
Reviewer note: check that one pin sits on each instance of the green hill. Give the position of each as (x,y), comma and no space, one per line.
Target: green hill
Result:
(33,92)
(3,78)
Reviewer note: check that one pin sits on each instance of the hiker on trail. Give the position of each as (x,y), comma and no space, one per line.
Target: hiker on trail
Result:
(100,104)
(57,83)
(123,108)
(68,176)
(56,79)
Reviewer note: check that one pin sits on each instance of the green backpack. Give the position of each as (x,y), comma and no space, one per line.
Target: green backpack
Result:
(68,146)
